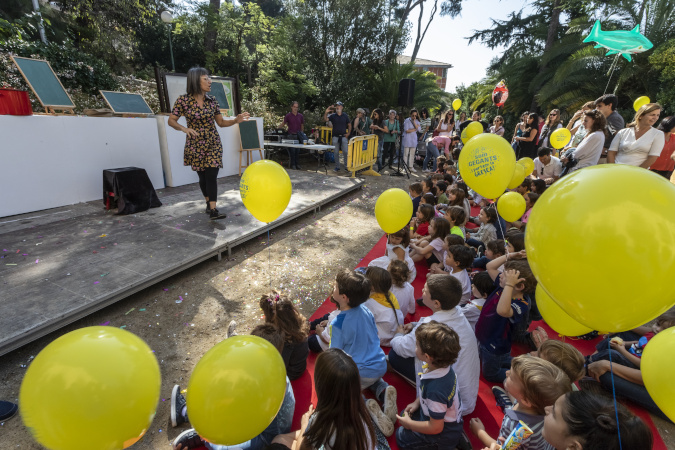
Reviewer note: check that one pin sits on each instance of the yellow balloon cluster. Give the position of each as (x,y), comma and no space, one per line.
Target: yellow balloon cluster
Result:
(96,387)
(511,206)
(471,130)
(528,165)
(393,210)
(518,176)
(555,317)
(236,390)
(486,164)
(657,367)
(265,189)
(608,270)
(560,138)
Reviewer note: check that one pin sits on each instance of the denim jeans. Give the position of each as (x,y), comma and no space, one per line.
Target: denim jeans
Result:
(480,263)
(404,366)
(376,386)
(445,440)
(494,366)
(474,242)
(380,146)
(336,151)
(625,335)
(634,392)
(432,153)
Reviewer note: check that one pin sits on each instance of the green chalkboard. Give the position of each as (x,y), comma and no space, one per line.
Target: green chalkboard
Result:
(42,79)
(248,131)
(125,103)
(218,91)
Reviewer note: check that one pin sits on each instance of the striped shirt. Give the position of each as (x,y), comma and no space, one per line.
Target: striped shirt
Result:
(439,396)
(536,423)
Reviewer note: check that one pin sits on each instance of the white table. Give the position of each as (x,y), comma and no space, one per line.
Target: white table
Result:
(317,148)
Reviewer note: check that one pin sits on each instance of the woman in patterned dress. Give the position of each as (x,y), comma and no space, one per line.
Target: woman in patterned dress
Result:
(203,149)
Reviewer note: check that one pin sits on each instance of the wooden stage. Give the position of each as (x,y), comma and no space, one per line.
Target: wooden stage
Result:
(59,265)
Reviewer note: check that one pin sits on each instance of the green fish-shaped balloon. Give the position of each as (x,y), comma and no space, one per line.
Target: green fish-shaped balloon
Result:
(625,43)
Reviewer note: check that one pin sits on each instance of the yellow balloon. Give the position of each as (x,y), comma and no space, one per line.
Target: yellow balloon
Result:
(96,387)
(511,206)
(528,164)
(640,102)
(603,271)
(560,138)
(265,189)
(471,130)
(518,177)
(393,210)
(236,390)
(657,366)
(456,104)
(486,164)
(555,317)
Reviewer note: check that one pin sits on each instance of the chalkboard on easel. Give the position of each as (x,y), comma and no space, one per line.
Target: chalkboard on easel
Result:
(126,103)
(248,131)
(45,84)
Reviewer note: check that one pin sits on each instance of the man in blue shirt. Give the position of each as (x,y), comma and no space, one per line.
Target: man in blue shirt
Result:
(342,127)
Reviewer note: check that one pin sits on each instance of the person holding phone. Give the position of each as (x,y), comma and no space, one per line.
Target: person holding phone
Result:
(342,127)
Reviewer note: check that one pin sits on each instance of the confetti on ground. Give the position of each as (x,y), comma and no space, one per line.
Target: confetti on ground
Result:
(142,309)
(10,264)
(107,322)
(96,282)
(37,261)
(123,326)
(103,235)
(105,274)
(127,313)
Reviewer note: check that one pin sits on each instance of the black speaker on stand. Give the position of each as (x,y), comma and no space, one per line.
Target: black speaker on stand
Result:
(406,92)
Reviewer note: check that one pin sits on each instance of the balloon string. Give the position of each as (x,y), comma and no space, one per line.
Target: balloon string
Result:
(269,257)
(611,71)
(499,222)
(611,371)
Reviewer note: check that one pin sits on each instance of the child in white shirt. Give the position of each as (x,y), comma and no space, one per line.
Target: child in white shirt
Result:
(481,288)
(458,259)
(383,304)
(402,290)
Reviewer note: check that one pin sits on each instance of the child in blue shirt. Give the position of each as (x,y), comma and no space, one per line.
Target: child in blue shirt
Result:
(504,309)
(434,420)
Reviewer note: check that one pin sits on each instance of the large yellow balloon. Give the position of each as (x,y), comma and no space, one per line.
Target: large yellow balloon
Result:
(528,164)
(640,102)
(96,387)
(486,164)
(560,138)
(608,270)
(555,317)
(511,206)
(456,104)
(393,210)
(471,130)
(657,367)
(236,390)
(265,189)
(518,177)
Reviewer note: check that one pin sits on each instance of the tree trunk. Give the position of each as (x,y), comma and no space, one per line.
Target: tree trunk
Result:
(420,33)
(211,26)
(550,39)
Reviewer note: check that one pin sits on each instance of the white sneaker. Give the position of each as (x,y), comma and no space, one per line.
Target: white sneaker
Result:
(381,420)
(390,408)
(412,169)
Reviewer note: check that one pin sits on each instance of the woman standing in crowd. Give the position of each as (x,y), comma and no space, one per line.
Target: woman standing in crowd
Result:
(461,120)
(552,123)
(411,127)
(425,122)
(520,128)
(203,149)
(361,124)
(389,140)
(665,163)
(639,144)
(589,150)
(379,128)
(446,125)
(497,126)
(526,142)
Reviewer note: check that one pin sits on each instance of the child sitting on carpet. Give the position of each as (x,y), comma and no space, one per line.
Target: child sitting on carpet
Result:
(441,294)
(428,187)
(434,419)
(383,304)
(401,288)
(430,200)
(486,232)
(582,420)
(458,259)
(431,247)
(442,187)
(505,308)
(536,384)
(416,195)
(482,287)
(419,225)
(457,219)
(280,311)
(494,249)
(355,332)
(189,439)
(320,340)
(397,249)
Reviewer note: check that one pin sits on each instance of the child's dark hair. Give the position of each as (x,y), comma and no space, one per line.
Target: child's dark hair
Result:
(427,211)
(404,234)
(354,285)
(279,310)
(667,319)
(457,215)
(517,240)
(462,185)
(439,341)
(521,265)
(526,184)
(441,228)
(459,194)
(491,213)
(400,272)
(462,255)
(429,184)
(415,188)
(540,185)
(592,418)
(448,179)
(496,246)
(445,289)
(533,196)
(270,333)
(429,198)
(453,239)
(441,186)
(437,177)
(380,282)
(484,283)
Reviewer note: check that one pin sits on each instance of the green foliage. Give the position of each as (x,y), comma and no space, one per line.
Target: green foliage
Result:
(662,60)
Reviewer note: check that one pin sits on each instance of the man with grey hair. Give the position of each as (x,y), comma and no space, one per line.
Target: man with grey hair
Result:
(342,127)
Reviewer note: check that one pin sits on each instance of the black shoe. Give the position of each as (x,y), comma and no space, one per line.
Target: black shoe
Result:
(177,405)
(7,409)
(503,399)
(216,215)
(188,439)
(420,301)
(208,208)
(297,167)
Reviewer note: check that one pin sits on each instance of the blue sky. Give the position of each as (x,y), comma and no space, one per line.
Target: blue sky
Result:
(445,40)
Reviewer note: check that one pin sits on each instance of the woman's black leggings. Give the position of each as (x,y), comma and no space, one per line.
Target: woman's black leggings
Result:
(208,182)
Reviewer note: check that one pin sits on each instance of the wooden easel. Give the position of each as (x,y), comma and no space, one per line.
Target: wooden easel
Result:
(249,157)
(249,141)
(49,109)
